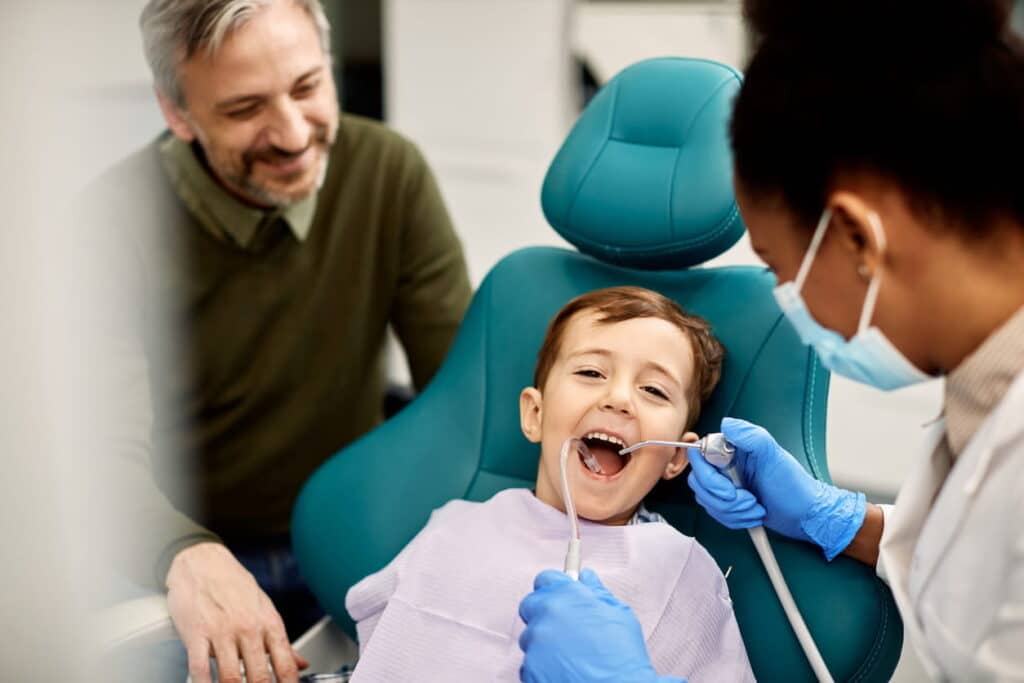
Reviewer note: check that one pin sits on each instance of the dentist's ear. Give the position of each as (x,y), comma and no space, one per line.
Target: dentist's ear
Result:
(531,411)
(679,462)
(858,225)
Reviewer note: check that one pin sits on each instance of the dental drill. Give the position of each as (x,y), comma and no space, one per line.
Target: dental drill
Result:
(719,452)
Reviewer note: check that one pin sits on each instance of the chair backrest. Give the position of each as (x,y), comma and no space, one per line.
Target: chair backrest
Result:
(642,185)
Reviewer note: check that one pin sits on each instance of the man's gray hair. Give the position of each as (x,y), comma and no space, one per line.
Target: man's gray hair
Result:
(173,31)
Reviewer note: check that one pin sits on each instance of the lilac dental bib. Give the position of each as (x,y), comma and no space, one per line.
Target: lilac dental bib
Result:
(446,609)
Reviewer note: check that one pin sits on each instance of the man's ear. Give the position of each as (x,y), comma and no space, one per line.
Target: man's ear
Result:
(531,410)
(679,462)
(176,118)
(856,221)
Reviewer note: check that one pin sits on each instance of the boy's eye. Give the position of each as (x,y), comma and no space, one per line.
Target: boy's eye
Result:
(587,372)
(655,391)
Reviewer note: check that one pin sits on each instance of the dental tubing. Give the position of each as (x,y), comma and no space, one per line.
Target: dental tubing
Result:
(759,537)
(572,556)
(719,452)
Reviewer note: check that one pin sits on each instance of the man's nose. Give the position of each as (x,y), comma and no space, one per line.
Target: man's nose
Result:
(289,131)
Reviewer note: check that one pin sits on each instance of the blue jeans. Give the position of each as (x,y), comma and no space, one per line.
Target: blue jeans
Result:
(277,573)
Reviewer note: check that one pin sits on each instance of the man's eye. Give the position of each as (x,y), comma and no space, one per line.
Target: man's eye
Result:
(305,90)
(589,373)
(655,391)
(244,113)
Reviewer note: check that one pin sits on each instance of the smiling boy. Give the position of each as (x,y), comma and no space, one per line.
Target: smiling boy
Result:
(617,366)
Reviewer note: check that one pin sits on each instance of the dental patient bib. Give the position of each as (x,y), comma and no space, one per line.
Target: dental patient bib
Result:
(446,609)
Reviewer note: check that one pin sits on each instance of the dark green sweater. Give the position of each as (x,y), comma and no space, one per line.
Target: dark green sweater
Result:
(233,359)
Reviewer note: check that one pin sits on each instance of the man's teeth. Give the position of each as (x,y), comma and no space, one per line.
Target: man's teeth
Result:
(606,437)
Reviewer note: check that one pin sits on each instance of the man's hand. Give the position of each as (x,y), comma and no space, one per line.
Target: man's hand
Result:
(218,609)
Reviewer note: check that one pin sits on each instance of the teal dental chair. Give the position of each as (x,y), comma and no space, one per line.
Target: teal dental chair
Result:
(642,187)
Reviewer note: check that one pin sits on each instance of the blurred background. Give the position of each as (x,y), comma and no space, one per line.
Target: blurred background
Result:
(487,88)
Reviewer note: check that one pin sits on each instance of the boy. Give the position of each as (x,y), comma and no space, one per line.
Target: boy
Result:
(617,366)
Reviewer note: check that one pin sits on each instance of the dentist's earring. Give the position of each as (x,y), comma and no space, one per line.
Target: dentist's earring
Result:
(863,271)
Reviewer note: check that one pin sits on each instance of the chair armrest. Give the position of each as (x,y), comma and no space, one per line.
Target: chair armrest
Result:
(145,621)
(326,647)
(136,622)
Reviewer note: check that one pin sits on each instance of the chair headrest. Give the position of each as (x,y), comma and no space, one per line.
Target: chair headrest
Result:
(644,178)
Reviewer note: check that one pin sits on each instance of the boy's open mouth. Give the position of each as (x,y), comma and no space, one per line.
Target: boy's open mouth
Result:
(604,447)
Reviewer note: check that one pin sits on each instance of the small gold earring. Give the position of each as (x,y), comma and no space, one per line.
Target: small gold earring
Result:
(863,271)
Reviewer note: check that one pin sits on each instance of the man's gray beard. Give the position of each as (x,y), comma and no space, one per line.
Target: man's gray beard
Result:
(269,198)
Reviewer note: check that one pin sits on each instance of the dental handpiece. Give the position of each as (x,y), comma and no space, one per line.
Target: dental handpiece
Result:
(717,450)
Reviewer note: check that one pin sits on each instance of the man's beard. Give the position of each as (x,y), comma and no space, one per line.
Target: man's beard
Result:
(242,178)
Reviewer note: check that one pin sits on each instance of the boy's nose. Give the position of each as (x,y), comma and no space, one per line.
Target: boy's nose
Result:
(617,400)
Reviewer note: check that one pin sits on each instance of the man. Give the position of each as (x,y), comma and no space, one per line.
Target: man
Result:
(249,262)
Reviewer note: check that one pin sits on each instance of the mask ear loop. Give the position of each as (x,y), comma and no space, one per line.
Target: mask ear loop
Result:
(812,250)
(876,279)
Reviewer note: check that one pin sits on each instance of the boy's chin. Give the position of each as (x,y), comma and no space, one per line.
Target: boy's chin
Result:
(602,514)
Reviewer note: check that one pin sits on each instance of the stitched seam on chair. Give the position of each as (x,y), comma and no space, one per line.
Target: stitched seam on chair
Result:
(622,141)
(672,184)
(483,381)
(704,106)
(593,165)
(876,648)
(722,227)
(689,126)
(812,460)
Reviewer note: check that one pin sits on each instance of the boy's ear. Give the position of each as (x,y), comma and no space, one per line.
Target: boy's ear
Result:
(531,410)
(679,462)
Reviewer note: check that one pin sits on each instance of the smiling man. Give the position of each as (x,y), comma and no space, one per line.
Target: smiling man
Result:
(248,263)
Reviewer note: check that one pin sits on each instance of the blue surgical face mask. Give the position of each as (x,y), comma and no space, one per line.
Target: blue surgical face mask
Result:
(868,357)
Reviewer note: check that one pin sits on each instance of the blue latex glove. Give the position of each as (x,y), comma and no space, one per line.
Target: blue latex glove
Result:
(578,632)
(777,492)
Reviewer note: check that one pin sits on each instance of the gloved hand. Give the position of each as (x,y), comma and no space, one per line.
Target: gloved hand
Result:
(578,632)
(776,492)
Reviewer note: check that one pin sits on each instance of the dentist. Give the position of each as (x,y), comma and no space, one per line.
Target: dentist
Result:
(878,152)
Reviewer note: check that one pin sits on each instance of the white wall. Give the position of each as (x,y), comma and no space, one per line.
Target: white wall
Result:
(485,88)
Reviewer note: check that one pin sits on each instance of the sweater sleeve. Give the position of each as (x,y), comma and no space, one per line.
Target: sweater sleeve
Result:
(113,402)
(433,282)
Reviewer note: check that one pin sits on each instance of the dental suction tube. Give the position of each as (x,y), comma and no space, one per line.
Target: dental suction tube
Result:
(719,452)
(572,556)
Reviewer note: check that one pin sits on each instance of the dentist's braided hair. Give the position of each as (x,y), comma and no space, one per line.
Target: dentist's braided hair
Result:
(926,93)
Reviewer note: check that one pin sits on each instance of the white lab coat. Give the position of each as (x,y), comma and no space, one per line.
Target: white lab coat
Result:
(953,552)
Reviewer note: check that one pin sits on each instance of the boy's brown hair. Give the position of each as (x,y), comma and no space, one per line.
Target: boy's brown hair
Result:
(618,304)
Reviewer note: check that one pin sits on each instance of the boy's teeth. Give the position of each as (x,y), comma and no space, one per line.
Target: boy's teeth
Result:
(605,437)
